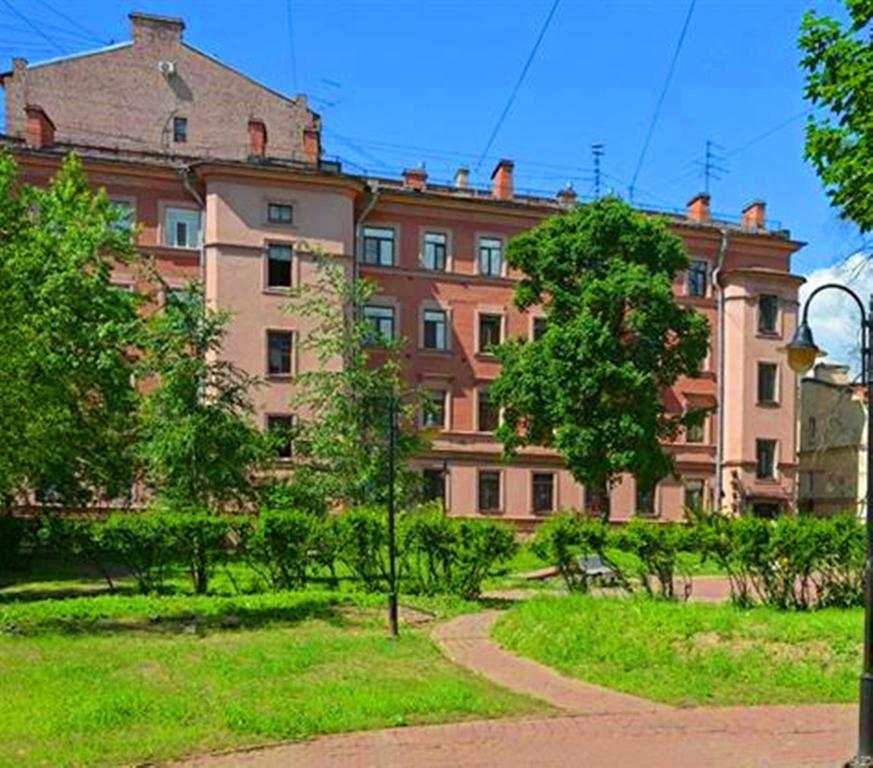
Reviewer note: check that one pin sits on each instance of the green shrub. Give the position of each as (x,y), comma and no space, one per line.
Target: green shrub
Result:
(75,538)
(284,543)
(656,548)
(12,530)
(480,545)
(362,545)
(566,537)
(199,539)
(142,542)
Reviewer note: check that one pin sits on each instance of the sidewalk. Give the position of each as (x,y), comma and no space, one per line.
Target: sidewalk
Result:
(599,728)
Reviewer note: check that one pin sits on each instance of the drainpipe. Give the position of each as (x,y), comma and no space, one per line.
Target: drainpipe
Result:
(373,198)
(720,347)
(185,175)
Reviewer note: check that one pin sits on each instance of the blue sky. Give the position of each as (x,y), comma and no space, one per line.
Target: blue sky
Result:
(401,82)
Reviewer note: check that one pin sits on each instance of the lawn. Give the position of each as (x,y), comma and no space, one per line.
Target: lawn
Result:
(690,654)
(115,680)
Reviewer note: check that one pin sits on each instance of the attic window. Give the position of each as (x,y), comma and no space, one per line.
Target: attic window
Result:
(180,130)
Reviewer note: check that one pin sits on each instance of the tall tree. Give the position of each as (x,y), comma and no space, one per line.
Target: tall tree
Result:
(838,58)
(198,443)
(66,334)
(591,385)
(344,403)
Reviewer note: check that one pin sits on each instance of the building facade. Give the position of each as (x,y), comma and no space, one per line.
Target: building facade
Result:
(238,196)
(832,455)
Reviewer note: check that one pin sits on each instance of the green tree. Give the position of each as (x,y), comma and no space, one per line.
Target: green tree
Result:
(66,335)
(838,59)
(199,445)
(344,402)
(615,338)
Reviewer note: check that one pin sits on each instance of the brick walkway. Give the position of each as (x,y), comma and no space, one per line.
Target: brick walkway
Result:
(600,728)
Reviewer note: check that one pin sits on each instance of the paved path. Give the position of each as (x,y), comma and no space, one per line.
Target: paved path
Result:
(600,728)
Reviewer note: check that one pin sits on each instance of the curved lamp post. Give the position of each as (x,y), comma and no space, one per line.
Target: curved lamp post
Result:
(802,353)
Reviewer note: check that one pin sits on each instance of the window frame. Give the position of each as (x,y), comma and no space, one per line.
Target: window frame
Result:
(274,333)
(380,239)
(433,396)
(180,129)
(685,491)
(273,204)
(541,319)
(119,201)
(377,342)
(480,246)
(759,442)
(702,427)
(692,273)
(440,473)
(480,474)
(485,315)
(649,509)
(483,389)
(770,366)
(425,234)
(761,330)
(268,285)
(553,491)
(167,209)
(289,418)
(446,325)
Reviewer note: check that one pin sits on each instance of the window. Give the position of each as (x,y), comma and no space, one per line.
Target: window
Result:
(539,327)
(180,130)
(433,483)
(698,272)
(768,313)
(279,346)
(694,495)
(489,491)
(280,213)
(489,332)
(381,320)
(765,454)
(490,256)
(126,217)
(435,329)
(279,266)
(279,428)
(489,415)
(434,415)
(379,246)
(695,432)
(645,499)
(435,251)
(543,492)
(767,383)
(181,228)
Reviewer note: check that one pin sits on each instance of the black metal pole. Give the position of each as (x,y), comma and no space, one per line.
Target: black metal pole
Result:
(865,730)
(392,545)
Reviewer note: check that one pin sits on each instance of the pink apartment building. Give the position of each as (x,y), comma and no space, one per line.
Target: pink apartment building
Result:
(236,193)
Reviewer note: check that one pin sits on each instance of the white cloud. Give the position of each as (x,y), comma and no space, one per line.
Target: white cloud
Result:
(833,316)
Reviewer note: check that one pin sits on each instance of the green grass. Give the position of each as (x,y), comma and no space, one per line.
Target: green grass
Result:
(124,679)
(692,653)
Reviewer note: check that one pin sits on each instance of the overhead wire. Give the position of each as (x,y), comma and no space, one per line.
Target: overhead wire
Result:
(71,21)
(660,103)
(19,15)
(518,83)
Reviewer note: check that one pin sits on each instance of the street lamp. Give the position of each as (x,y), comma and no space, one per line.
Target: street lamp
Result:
(802,353)
(392,542)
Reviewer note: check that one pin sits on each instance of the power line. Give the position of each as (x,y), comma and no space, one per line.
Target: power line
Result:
(519,82)
(93,35)
(661,98)
(33,26)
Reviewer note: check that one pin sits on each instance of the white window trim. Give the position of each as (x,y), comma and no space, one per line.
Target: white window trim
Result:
(295,351)
(434,306)
(291,203)
(706,282)
(777,384)
(555,484)
(447,409)
(422,232)
(480,311)
(163,208)
(501,491)
(480,236)
(398,231)
(265,272)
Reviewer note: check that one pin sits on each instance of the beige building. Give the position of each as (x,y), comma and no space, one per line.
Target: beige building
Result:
(833,442)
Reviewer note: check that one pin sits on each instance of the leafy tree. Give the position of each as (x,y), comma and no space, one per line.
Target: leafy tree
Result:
(199,445)
(615,338)
(838,58)
(344,409)
(66,333)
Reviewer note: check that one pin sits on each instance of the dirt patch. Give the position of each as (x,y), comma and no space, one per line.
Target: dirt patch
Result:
(700,643)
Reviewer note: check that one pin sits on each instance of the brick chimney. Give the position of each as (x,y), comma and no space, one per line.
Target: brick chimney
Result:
(415,178)
(567,196)
(312,145)
(148,28)
(257,138)
(755,216)
(698,209)
(39,130)
(462,177)
(501,180)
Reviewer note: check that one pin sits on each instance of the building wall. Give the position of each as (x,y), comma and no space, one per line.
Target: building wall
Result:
(118,97)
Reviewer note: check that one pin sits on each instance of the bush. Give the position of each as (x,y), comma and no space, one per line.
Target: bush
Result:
(12,530)
(656,548)
(362,545)
(285,544)
(199,539)
(480,546)
(142,542)
(75,538)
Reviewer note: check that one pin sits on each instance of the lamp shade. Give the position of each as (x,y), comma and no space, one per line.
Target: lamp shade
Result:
(802,351)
